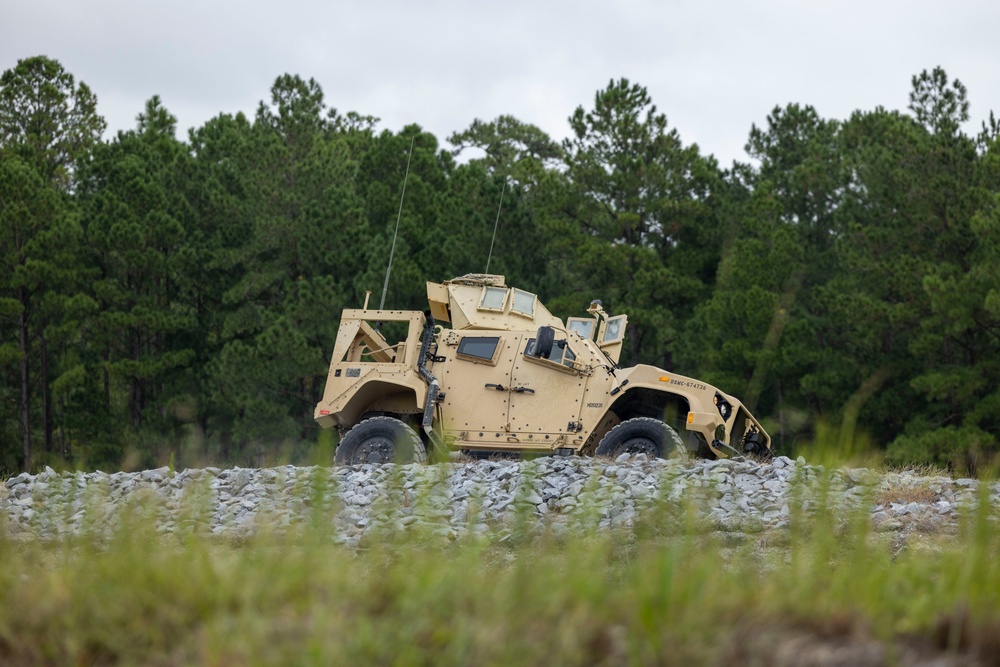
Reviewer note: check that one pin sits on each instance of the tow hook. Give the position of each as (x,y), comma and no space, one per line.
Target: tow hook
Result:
(718,444)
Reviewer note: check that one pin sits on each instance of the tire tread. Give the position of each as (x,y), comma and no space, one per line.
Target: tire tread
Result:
(670,445)
(402,431)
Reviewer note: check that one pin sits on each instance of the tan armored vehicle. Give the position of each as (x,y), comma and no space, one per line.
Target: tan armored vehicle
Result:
(510,376)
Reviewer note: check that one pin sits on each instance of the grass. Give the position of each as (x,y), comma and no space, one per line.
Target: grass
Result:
(904,490)
(666,591)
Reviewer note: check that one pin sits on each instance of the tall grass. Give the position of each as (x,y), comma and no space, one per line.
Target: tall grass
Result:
(665,591)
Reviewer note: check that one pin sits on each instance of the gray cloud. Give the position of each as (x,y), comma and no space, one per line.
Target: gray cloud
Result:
(713,67)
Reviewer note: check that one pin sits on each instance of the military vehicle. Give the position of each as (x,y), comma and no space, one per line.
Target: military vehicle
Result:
(509,376)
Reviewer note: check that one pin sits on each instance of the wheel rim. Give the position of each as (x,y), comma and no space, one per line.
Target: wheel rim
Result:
(375,450)
(639,445)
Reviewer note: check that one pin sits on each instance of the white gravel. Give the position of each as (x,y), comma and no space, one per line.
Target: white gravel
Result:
(560,494)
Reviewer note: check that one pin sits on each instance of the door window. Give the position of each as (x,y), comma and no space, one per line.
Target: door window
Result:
(560,353)
(479,348)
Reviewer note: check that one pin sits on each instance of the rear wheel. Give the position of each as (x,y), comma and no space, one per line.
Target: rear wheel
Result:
(380,440)
(641,435)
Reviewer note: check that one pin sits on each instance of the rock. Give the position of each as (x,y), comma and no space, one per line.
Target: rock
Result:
(467,498)
(154,475)
(23,478)
(240,478)
(857,475)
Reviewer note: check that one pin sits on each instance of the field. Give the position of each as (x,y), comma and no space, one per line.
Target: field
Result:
(666,590)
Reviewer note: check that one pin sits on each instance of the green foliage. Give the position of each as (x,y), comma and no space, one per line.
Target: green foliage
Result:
(48,125)
(967,449)
(176,298)
(860,236)
(636,218)
(135,211)
(516,150)
(936,105)
(47,119)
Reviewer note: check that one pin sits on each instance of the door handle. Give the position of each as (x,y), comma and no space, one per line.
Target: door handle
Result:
(498,387)
(522,390)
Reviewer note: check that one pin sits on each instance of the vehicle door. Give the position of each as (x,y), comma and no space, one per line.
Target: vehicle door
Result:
(476,382)
(546,392)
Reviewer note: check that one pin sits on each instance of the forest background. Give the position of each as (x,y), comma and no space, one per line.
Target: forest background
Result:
(168,301)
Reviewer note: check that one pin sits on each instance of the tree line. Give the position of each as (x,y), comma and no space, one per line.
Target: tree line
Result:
(167,300)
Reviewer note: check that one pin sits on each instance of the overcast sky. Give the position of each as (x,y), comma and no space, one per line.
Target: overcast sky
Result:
(713,67)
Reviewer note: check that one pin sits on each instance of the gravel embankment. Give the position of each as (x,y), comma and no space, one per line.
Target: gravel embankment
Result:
(451,500)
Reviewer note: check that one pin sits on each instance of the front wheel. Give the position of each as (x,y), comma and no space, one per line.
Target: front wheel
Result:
(380,440)
(641,435)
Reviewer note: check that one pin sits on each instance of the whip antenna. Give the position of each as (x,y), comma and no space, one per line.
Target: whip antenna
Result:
(388,269)
(495,225)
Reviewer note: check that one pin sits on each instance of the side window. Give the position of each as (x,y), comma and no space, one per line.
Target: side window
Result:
(614,330)
(582,326)
(560,354)
(524,303)
(567,354)
(479,348)
(493,298)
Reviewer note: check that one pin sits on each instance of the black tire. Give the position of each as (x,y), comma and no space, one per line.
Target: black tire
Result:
(380,440)
(641,435)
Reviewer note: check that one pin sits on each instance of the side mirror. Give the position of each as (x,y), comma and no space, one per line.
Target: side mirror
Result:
(543,342)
